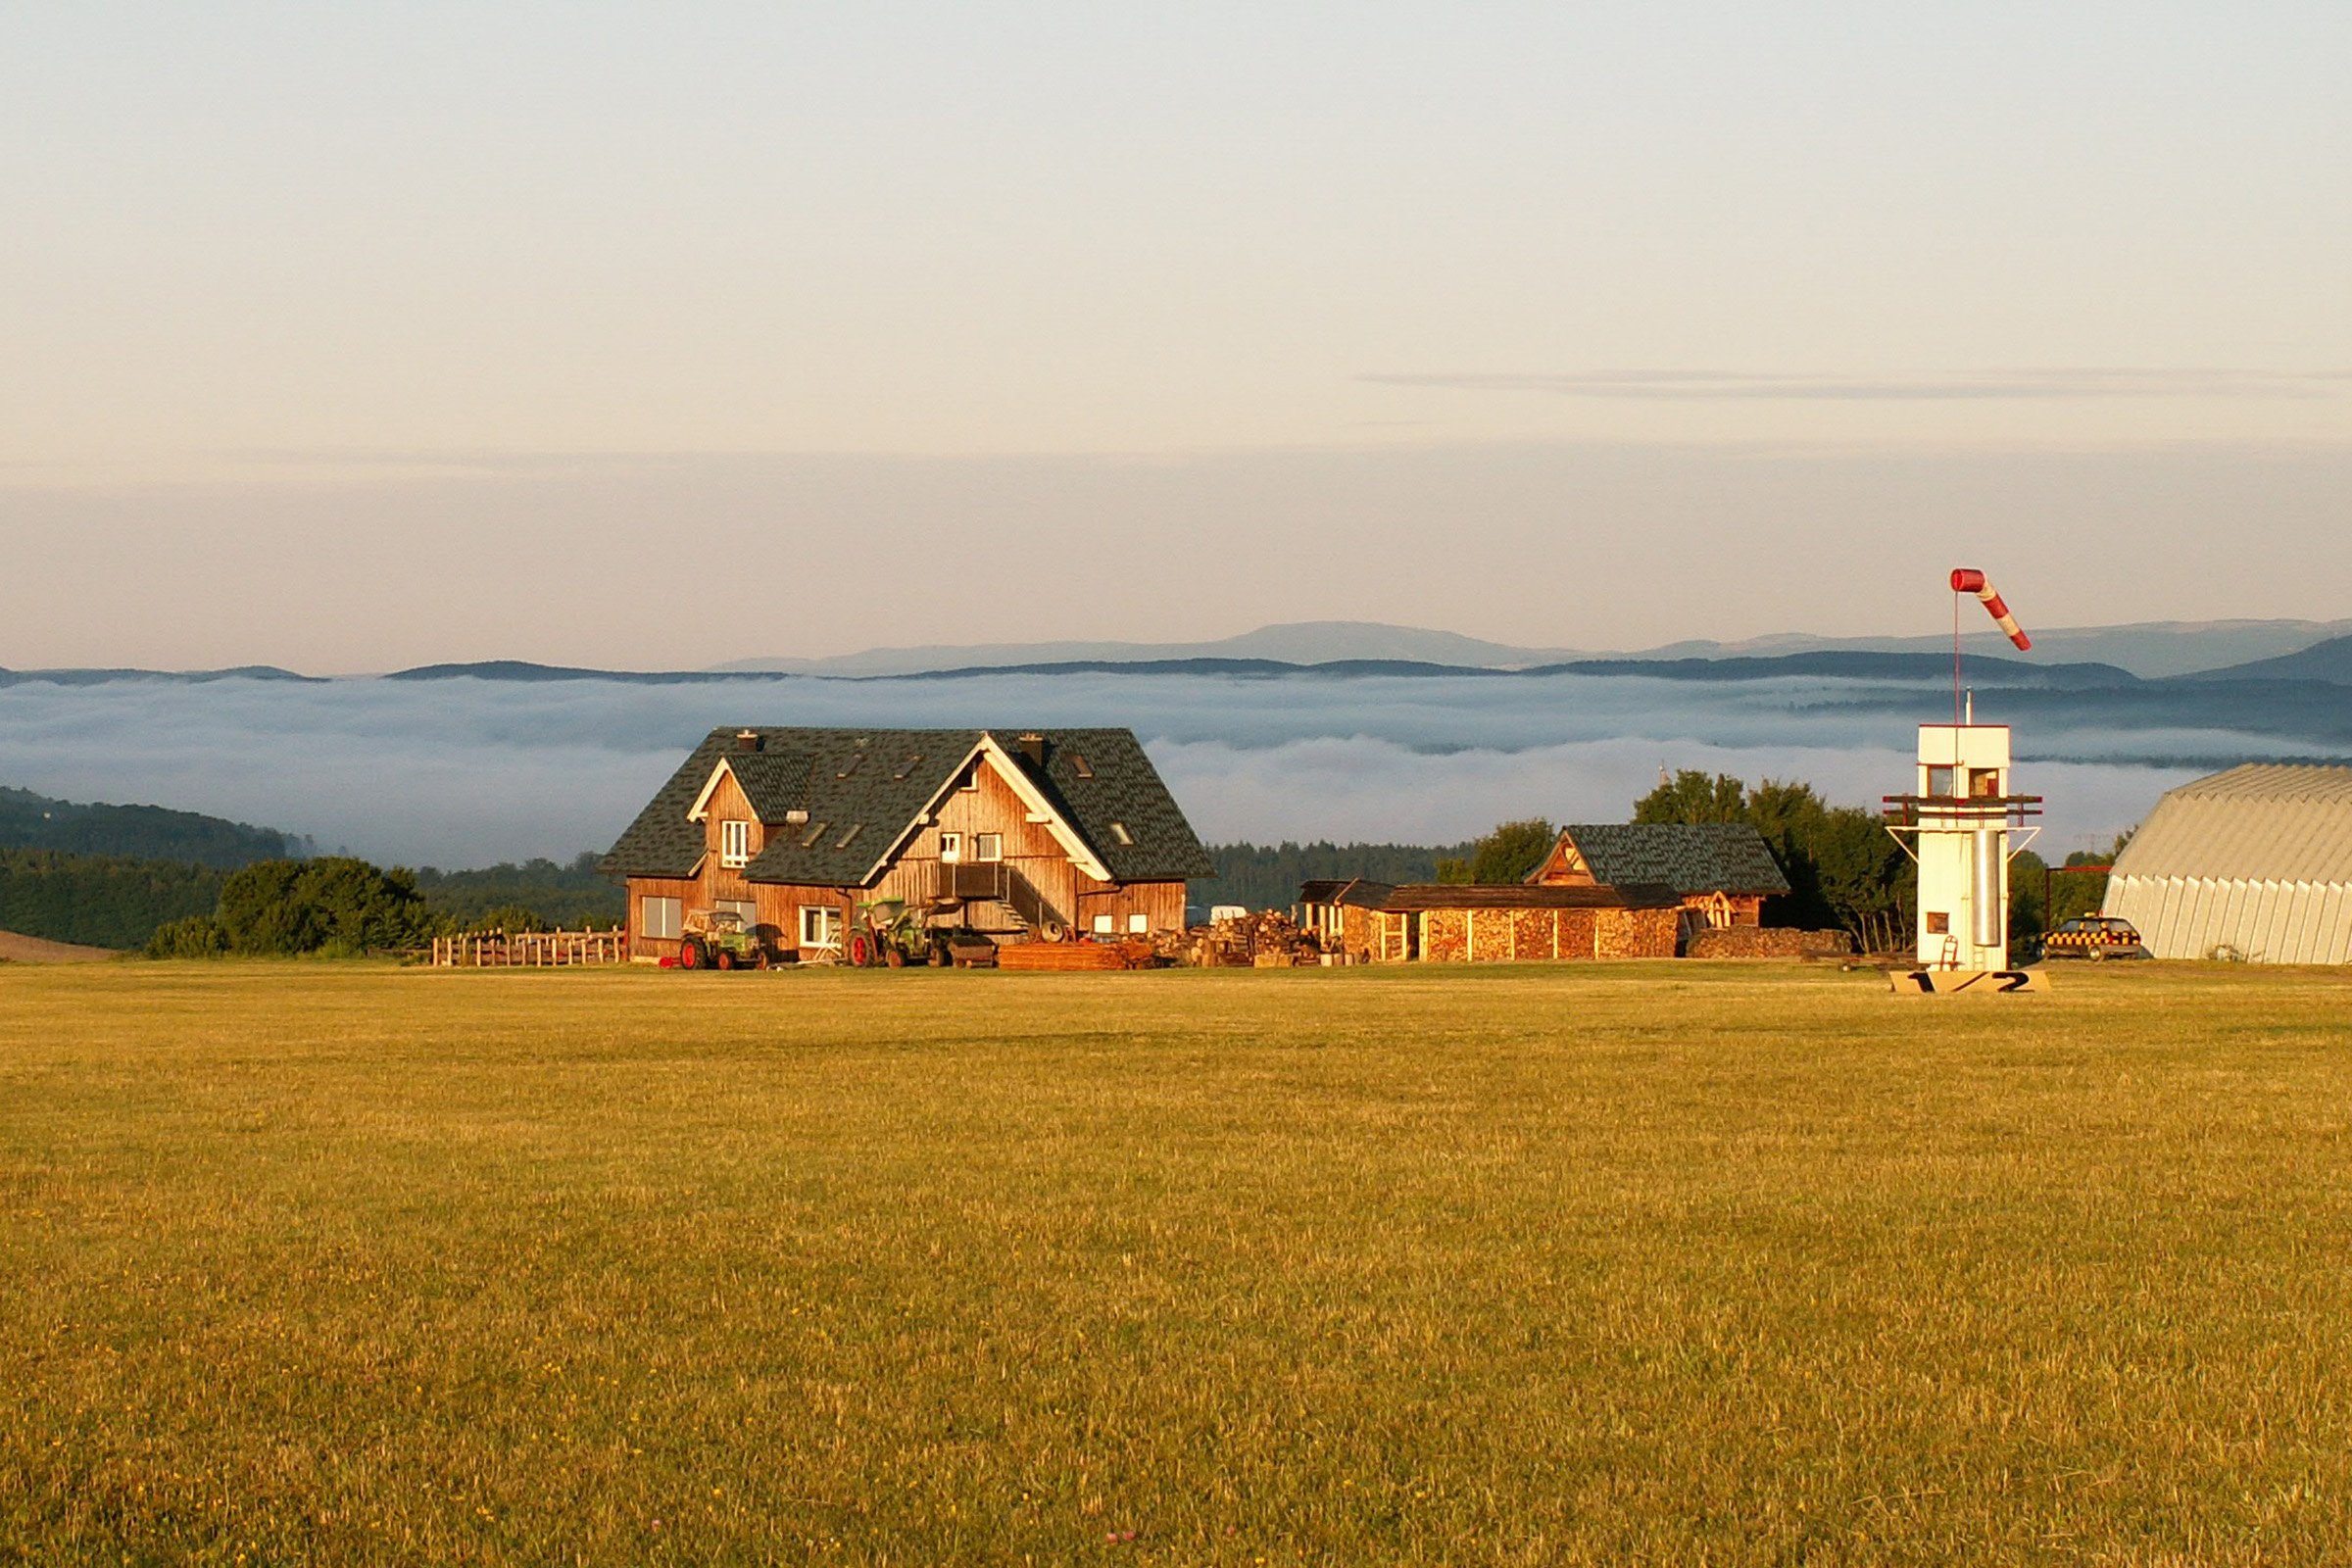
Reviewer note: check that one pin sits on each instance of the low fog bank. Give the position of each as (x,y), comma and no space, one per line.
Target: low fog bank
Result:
(466,772)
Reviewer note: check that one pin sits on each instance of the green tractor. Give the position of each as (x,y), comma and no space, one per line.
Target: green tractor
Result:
(718,939)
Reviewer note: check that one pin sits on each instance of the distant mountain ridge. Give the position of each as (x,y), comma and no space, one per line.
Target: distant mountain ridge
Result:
(2151,650)
(2257,650)
(2330,661)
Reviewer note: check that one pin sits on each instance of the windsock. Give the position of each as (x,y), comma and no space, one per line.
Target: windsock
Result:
(1966,581)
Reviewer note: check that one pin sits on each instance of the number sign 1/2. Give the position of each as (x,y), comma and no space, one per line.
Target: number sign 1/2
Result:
(1967,982)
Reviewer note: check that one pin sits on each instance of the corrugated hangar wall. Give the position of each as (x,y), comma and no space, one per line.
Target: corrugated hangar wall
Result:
(2264,922)
(2256,860)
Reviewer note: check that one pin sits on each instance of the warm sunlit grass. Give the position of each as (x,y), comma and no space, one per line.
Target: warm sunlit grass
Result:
(1660,1264)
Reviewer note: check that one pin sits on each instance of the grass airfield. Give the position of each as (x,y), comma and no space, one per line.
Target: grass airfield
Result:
(1671,1264)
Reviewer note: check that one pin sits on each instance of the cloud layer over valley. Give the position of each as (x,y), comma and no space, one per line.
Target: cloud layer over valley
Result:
(466,771)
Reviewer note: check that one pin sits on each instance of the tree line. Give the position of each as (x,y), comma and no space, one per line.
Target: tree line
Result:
(180,908)
(30,821)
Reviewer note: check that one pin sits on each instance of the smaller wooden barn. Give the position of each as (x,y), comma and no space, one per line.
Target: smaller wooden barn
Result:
(1451,923)
(1722,872)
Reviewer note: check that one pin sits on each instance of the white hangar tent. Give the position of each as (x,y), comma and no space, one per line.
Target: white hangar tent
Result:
(2255,863)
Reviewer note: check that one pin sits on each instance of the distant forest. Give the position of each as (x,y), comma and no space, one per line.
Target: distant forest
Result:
(30,821)
(570,895)
(1259,876)
(103,901)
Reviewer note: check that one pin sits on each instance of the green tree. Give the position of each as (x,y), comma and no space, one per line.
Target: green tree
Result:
(1513,850)
(1694,797)
(1505,856)
(336,906)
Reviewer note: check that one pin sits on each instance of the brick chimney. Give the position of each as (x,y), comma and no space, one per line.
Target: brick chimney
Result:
(747,740)
(1032,747)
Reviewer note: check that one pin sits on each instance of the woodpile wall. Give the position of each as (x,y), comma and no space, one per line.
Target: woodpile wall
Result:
(1770,942)
(1503,936)
(1637,933)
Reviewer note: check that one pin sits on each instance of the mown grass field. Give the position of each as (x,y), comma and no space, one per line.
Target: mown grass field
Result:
(1645,1265)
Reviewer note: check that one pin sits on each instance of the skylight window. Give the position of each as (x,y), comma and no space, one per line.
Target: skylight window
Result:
(1080,767)
(1118,830)
(856,761)
(913,762)
(809,839)
(850,837)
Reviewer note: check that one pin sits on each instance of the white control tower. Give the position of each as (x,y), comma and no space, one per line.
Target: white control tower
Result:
(1958,826)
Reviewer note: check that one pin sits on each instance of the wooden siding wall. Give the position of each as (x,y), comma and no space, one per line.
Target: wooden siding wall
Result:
(1071,898)
(642,888)
(1068,896)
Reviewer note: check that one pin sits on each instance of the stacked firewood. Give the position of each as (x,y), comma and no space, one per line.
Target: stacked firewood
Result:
(1267,940)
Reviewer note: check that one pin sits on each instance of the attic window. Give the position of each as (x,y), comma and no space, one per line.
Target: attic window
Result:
(1080,767)
(912,762)
(850,837)
(969,781)
(1118,830)
(809,838)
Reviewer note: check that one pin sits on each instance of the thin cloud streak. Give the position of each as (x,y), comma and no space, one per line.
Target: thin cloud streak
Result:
(2059,383)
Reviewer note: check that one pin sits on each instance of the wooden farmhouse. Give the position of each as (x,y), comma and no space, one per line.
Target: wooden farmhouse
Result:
(1721,872)
(1377,922)
(1009,834)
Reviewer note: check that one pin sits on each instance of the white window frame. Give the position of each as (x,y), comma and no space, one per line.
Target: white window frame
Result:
(1105,926)
(661,919)
(744,909)
(1139,925)
(988,848)
(951,848)
(821,926)
(734,842)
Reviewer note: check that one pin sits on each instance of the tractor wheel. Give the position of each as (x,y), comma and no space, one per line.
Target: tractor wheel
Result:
(690,955)
(760,959)
(862,949)
(724,959)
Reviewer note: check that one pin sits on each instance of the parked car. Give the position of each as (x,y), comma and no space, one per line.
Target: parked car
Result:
(2094,937)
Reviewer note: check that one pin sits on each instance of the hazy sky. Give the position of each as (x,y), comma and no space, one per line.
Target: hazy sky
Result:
(351,336)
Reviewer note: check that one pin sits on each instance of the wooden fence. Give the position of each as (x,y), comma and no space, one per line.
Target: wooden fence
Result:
(531,950)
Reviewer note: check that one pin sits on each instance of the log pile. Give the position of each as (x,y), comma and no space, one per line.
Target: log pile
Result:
(1770,942)
(1267,940)
(1065,956)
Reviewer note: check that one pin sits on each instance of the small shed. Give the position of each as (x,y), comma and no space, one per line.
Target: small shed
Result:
(1721,872)
(1458,923)
(2255,863)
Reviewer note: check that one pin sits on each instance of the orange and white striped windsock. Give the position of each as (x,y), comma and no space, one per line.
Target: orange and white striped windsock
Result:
(1967,581)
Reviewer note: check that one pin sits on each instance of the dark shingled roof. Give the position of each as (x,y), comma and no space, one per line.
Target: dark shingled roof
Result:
(1355,892)
(863,790)
(1528,896)
(1687,856)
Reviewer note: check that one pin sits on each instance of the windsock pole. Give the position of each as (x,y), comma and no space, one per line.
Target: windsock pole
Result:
(1968,580)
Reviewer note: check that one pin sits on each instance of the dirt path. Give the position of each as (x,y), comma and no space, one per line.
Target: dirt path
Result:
(38,950)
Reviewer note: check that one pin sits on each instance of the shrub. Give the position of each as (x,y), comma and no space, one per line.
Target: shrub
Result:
(199,935)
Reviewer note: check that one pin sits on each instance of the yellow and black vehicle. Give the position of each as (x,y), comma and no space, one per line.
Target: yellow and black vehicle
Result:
(2094,936)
